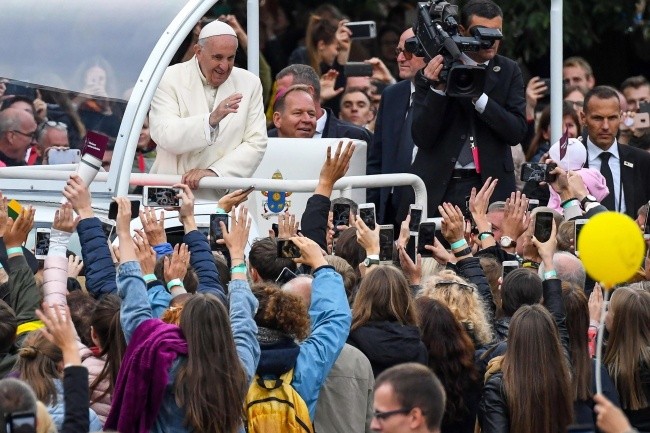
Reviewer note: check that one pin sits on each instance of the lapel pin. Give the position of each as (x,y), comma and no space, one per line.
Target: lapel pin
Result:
(628,164)
(496,68)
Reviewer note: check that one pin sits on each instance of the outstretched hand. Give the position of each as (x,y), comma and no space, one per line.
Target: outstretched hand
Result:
(334,168)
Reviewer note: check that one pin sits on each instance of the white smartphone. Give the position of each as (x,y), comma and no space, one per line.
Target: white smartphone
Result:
(509,266)
(58,155)
(579,223)
(108,226)
(415,211)
(362,29)
(42,244)
(161,196)
(367,214)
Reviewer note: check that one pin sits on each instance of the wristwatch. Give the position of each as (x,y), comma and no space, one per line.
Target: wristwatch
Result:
(507,242)
(588,198)
(371,260)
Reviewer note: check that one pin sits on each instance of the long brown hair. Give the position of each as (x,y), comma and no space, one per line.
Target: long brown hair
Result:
(211,383)
(106,324)
(536,374)
(38,366)
(384,294)
(628,346)
(318,29)
(451,354)
(577,323)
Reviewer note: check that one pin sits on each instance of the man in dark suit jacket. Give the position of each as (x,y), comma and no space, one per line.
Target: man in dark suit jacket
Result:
(443,125)
(392,146)
(627,171)
(327,125)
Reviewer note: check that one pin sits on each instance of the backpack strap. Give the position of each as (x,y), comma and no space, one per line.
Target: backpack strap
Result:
(276,383)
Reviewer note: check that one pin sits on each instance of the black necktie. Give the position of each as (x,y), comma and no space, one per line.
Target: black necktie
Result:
(609,202)
(405,150)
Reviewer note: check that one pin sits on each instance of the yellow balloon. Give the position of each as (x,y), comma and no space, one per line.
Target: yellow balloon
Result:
(611,248)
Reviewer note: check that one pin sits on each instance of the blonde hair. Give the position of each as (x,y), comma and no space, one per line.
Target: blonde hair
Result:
(463,300)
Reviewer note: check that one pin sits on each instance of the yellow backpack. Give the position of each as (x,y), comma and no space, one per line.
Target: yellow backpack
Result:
(274,406)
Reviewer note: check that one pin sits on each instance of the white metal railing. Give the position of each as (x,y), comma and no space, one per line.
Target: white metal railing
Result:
(345,185)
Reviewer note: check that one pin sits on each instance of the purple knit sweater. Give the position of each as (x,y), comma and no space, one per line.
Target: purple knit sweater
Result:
(143,376)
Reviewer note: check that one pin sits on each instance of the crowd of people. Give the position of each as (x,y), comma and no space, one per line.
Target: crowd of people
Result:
(308,329)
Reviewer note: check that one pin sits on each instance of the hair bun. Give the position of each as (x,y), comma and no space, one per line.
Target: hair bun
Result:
(28,352)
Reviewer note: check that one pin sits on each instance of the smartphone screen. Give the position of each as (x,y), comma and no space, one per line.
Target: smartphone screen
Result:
(509,266)
(416,217)
(367,215)
(543,226)
(532,204)
(135,210)
(160,196)
(42,245)
(411,247)
(215,230)
(426,236)
(386,240)
(340,215)
(108,227)
(287,249)
(285,276)
(533,172)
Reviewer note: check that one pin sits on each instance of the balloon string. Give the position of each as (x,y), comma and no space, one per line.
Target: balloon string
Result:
(599,341)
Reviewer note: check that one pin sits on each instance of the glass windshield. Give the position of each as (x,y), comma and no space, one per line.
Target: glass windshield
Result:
(97,47)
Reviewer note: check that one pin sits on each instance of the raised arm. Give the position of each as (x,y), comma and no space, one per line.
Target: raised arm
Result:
(100,271)
(135,307)
(314,219)
(201,257)
(332,319)
(243,305)
(55,273)
(24,293)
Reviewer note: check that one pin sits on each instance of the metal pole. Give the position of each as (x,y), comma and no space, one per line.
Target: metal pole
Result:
(253,33)
(557,57)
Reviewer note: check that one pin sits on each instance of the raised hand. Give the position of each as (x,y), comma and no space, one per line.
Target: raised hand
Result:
(233,199)
(334,168)
(176,266)
(310,253)
(153,227)
(237,237)
(453,222)
(64,219)
(59,330)
(75,265)
(16,232)
(146,254)
(368,239)
(287,226)
(76,192)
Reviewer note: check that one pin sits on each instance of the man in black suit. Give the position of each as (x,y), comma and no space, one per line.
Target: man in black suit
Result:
(626,169)
(392,146)
(327,124)
(443,127)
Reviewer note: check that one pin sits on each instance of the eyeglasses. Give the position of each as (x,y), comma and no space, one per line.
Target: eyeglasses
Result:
(30,135)
(383,416)
(407,55)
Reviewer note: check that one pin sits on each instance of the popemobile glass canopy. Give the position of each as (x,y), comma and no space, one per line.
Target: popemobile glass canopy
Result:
(96,64)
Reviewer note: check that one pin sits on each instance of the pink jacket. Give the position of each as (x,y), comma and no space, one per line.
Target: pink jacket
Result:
(94,364)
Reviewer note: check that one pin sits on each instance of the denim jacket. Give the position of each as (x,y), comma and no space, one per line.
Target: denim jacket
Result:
(135,309)
(331,319)
(57,411)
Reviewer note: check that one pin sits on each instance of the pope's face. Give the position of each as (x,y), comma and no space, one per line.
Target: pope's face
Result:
(217,58)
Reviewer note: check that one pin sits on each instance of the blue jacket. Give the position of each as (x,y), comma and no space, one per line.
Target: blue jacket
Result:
(331,319)
(202,261)
(135,309)
(57,411)
(100,270)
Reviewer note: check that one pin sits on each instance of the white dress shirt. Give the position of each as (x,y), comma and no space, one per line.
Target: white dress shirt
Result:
(320,125)
(593,153)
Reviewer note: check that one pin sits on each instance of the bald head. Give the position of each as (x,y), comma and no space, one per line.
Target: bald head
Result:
(301,287)
(568,267)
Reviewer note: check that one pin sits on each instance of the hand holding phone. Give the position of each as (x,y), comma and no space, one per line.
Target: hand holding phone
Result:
(42,243)
(216,232)
(386,242)
(426,236)
(508,266)
(135,210)
(367,215)
(543,226)
(415,211)
(161,196)
(287,249)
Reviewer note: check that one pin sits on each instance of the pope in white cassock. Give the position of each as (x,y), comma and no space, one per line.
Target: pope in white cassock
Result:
(207,116)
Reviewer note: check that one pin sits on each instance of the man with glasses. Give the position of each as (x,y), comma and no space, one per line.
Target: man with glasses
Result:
(408,398)
(17,134)
(392,147)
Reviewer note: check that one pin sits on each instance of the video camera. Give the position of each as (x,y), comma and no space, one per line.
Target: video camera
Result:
(436,32)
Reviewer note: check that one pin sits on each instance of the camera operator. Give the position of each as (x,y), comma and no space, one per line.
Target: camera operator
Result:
(444,126)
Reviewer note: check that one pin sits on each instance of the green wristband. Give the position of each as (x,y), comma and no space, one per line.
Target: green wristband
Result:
(14,250)
(459,243)
(239,269)
(175,282)
(149,278)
